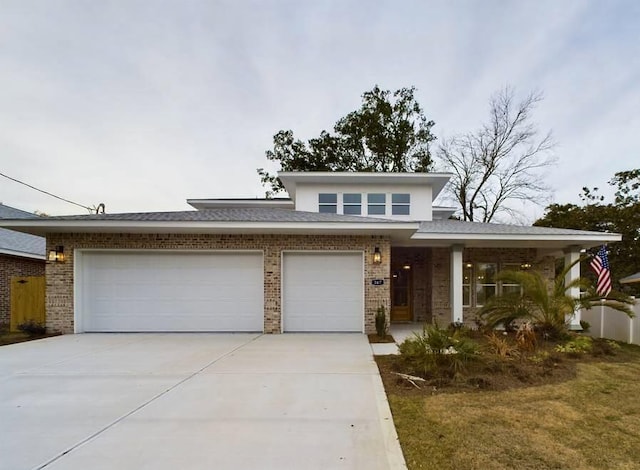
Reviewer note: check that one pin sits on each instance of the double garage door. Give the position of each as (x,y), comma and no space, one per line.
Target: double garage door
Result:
(215,291)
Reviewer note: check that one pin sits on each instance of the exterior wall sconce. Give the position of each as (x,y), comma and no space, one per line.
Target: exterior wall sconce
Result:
(525,266)
(406,266)
(377,256)
(57,255)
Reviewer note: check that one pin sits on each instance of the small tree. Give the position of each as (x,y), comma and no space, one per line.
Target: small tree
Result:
(500,162)
(544,302)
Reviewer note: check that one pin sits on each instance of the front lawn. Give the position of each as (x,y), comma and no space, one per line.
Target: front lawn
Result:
(568,411)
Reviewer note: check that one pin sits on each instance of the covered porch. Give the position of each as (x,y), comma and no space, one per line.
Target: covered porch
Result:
(453,265)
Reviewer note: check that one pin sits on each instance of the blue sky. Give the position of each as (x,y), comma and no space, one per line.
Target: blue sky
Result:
(142,104)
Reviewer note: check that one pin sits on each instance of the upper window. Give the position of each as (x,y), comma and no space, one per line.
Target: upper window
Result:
(376,204)
(328,203)
(400,204)
(352,204)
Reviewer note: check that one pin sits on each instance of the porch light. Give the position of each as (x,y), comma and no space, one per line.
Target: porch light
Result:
(469,265)
(377,256)
(406,266)
(57,255)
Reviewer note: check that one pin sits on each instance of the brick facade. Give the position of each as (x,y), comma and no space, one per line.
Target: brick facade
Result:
(11,266)
(60,276)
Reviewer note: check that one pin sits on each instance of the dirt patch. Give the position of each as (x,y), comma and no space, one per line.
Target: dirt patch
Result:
(374,338)
(491,373)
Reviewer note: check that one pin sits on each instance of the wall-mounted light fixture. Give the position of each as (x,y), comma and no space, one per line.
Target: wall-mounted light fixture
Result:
(468,265)
(377,256)
(57,255)
(525,266)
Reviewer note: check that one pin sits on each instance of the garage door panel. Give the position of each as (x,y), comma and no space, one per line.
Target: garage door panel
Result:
(172,291)
(323,292)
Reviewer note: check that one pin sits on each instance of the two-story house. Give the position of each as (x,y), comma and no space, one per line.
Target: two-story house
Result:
(324,259)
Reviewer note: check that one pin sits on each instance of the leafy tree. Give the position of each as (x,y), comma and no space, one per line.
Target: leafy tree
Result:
(546,303)
(621,216)
(499,163)
(389,133)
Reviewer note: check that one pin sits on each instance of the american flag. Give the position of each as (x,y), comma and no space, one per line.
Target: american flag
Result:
(600,265)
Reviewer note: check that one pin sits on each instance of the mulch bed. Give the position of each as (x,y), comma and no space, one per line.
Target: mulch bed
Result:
(374,338)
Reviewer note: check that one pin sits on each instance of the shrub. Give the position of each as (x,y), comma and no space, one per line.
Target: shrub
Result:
(382,326)
(576,345)
(526,337)
(437,351)
(32,328)
(585,325)
(500,346)
(604,347)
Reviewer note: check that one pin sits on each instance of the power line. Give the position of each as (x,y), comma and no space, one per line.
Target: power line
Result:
(47,193)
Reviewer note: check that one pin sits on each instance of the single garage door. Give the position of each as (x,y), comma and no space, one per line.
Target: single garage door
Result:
(153,291)
(323,292)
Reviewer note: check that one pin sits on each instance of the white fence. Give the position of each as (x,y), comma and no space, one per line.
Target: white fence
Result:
(609,323)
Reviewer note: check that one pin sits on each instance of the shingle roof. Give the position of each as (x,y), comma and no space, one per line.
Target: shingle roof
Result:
(16,241)
(262,214)
(476,228)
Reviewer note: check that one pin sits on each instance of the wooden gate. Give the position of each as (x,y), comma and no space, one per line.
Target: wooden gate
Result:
(27,300)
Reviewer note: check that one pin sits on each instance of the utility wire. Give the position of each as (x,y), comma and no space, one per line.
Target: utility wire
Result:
(90,209)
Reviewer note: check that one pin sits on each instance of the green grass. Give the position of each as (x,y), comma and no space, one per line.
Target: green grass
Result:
(589,422)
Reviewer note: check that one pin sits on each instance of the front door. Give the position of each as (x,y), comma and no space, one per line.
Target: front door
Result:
(401,293)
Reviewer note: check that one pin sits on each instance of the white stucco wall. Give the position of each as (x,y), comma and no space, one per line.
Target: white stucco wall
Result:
(306,198)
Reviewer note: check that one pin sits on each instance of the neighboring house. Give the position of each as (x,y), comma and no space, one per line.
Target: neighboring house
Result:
(343,245)
(21,254)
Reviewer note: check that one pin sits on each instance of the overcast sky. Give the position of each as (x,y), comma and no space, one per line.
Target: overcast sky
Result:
(143,104)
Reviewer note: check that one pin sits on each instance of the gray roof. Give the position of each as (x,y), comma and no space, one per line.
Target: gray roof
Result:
(261,214)
(16,242)
(476,228)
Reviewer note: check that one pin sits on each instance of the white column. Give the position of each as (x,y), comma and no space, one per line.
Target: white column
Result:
(571,255)
(456,283)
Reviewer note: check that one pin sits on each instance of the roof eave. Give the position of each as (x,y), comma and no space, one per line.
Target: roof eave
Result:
(22,254)
(101,226)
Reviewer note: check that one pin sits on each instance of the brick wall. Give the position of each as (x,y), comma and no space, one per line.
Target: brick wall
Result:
(14,266)
(59,298)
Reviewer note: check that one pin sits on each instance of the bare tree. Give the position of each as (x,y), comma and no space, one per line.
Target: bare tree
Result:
(501,162)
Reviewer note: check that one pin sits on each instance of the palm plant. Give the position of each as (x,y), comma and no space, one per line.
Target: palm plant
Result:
(544,302)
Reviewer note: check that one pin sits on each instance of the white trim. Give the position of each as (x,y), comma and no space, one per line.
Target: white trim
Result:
(108,226)
(279,203)
(290,179)
(607,237)
(78,253)
(364,285)
(22,254)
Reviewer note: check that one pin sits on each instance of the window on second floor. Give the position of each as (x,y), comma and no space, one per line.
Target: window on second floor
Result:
(376,203)
(352,204)
(400,204)
(328,203)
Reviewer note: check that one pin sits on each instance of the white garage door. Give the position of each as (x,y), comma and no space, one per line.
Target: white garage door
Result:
(152,291)
(323,292)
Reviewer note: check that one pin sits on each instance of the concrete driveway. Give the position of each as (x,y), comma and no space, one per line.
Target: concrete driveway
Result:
(194,401)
